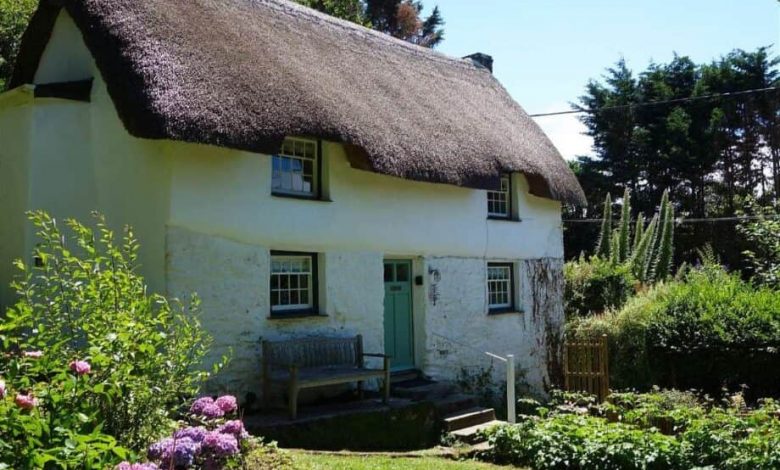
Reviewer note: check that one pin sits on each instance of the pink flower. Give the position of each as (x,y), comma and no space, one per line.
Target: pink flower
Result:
(33,354)
(212,411)
(234,427)
(25,402)
(199,404)
(2,389)
(80,367)
(227,403)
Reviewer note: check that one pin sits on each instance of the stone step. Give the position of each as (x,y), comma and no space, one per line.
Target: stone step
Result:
(453,403)
(428,391)
(470,435)
(405,376)
(468,418)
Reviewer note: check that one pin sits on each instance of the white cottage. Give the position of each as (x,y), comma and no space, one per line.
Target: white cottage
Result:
(304,175)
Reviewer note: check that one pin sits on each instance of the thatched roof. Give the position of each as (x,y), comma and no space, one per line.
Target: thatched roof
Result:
(245,73)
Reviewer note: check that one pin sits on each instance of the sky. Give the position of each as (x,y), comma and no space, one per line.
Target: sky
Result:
(545,51)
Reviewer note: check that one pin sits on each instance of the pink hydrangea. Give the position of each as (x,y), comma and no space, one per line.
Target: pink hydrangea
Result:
(2,389)
(221,445)
(25,402)
(80,367)
(227,403)
(199,404)
(212,411)
(235,428)
(33,354)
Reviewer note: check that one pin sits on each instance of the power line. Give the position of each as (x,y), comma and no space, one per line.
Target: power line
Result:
(684,220)
(656,103)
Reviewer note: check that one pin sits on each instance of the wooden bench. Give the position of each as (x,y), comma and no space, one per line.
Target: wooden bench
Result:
(316,362)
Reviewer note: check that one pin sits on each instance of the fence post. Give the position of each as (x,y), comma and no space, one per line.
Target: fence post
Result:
(510,389)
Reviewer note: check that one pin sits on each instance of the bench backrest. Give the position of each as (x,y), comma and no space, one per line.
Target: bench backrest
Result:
(314,352)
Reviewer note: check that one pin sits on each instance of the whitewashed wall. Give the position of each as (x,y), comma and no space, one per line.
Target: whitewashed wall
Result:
(207,221)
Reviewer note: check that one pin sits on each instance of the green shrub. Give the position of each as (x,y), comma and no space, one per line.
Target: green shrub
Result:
(707,330)
(625,434)
(594,285)
(763,233)
(84,301)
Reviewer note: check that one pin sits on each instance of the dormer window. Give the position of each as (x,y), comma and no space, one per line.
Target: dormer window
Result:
(499,202)
(296,169)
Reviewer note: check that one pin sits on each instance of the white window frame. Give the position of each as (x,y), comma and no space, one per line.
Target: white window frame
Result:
(502,196)
(508,283)
(311,287)
(294,149)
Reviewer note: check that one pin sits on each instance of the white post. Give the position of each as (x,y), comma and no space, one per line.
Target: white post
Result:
(510,389)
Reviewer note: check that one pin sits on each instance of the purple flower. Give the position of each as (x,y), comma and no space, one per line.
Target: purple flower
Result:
(33,354)
(235,428)
(221,445)
(212,411)
(227,403)
(184,452)
(196,433)
(80,367)
(136,466)
(160,449)
(199,404)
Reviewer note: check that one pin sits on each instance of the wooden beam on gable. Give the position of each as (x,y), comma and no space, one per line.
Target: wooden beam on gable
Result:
(80,90)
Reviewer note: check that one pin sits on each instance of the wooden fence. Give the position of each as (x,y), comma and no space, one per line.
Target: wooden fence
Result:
(586,366)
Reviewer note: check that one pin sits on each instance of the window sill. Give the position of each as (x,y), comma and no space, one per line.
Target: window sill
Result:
(505,311)
(295,314)
(299,197)
(504,219)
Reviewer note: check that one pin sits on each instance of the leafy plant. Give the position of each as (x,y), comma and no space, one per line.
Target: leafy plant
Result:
(84,301)
(763,233)
(594,285)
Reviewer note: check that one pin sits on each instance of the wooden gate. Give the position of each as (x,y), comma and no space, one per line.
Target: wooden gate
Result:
(585,366)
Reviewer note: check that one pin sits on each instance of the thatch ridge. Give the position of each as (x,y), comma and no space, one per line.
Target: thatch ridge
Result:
(246,73)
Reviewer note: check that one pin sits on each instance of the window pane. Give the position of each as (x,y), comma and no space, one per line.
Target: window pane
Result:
(388,272)
(402,273)
(293,170)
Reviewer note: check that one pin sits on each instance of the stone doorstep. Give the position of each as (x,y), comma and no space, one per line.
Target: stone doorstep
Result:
(468,418)
(470,435)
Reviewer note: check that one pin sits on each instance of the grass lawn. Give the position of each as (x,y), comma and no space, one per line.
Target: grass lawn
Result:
(306,461)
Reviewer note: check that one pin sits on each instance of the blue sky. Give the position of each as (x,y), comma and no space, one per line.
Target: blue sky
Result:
(546,50)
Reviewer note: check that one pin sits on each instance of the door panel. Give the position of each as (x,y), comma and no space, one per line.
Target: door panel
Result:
(399,335)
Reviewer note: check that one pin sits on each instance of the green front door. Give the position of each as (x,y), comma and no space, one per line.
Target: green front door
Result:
(399,339)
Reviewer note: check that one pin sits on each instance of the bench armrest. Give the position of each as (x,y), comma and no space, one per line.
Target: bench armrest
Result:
(375,355)
(386,358)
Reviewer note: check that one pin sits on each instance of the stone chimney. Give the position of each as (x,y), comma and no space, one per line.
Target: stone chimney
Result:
(481,60)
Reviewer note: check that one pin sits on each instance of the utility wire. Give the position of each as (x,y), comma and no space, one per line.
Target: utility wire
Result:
(656,103)
(684,220)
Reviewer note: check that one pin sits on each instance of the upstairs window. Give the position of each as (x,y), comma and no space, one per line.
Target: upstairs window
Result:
(293,283)
(500,202)
(296,169)
(500,287)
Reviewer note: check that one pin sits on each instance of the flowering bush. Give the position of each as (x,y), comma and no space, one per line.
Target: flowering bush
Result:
(90,363)
(207,440)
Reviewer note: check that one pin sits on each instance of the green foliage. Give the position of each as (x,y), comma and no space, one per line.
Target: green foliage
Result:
(641,257)
(85,301)
(706,330)
(663,261)
(664,429)
(350,10)
(763,235)
(594,285)
(14,15)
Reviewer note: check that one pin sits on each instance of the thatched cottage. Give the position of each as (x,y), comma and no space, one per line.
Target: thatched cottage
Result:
(304,175)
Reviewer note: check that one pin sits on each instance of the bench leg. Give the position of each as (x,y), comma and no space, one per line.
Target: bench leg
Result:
(293,402)
(386,388)
(360,389)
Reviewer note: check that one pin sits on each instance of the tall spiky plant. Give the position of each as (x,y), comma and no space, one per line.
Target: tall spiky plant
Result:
(639,229)
(624,229)
(604,244)
(640,258)
(663,260)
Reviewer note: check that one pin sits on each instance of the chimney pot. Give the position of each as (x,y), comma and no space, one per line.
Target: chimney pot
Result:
(481,60)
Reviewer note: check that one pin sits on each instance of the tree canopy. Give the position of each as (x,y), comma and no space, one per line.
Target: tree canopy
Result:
(14,15)
(712,152)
